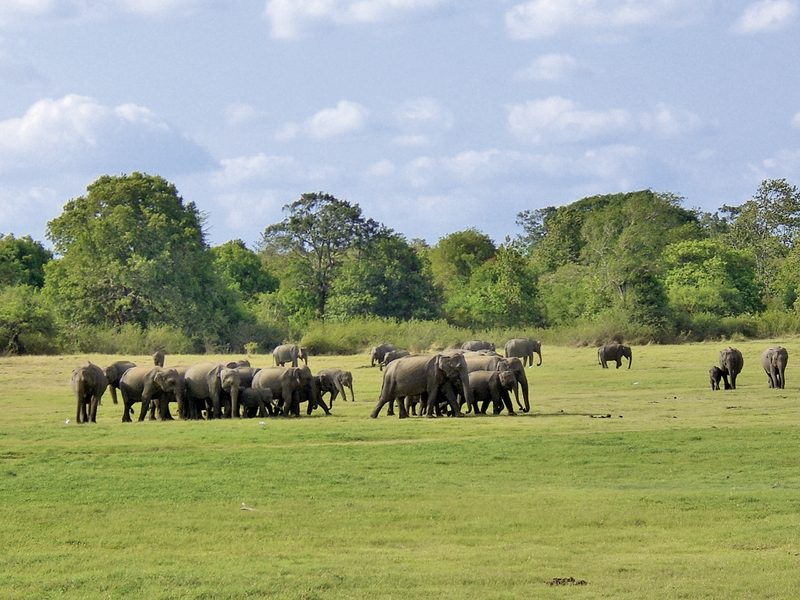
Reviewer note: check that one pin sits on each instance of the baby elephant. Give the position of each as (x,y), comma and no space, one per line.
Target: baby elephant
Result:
(715,376)
(256,402)
(492,386)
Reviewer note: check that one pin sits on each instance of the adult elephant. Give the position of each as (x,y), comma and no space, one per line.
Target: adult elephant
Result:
(88,382)
(774,362)
(114,373)
(615,352)
(206,381)
(731,362)
(392,355)
(424,374)
(491,386)
(309,393)
(477,345)
(479,362)
(524,348)
(378,353)
(146,384)
(334,381)
(287,353)
(284,383)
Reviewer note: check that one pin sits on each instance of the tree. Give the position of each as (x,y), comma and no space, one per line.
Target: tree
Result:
(26,325)
(456,256)
(319,232)
(242,270)
(131,251)
(22,261)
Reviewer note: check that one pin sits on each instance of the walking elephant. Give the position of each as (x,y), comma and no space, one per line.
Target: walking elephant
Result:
(615,352)
(88,382)
(288,353)
(714,377)
(158,358)
(205,383)
(424,374)
(731,363)
(774,362)
(334,381)
(476,345)
(377,353)
(146,384)
(284,383)
(114,373)
(491,386)
(392,355)
(478,362)
(524,348)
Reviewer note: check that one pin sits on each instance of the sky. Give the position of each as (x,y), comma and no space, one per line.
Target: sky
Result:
(433,116)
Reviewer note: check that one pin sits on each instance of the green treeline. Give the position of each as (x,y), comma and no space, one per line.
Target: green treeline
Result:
(131,271)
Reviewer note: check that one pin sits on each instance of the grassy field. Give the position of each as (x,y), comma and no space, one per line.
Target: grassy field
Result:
(639,483)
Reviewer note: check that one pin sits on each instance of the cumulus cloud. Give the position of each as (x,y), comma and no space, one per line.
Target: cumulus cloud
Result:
(79,132)
(344,118)
(766,15)
(667,121)
(419,119)
(549,67)
(544,18)
(288,19)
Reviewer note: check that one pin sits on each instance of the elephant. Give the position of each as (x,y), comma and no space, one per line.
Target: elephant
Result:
(524,348)
(377,353)
(114,373)
(284,383)
(310,392)
(288,353)
(89,382)
(145,384)
(482,362)
(392,355)
(731,362)
(614,352)
(158,358)
(334,381)
(254,402)
(206,381)
(774,362)
(424,374)
(235,364)
(715,376)
(476,345)
(492,386)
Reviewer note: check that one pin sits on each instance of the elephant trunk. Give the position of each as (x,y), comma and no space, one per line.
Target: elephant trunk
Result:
(235,401)
(630,360)
(539,352)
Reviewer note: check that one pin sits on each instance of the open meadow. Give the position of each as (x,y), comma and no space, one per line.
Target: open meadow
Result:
(639,483)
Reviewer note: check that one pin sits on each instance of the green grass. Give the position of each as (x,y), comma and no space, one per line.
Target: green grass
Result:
(680,493)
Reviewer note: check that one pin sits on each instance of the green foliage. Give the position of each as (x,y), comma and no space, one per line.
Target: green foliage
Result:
(457,255)
(26,324)
(242,270)
(22,261)
(564,294)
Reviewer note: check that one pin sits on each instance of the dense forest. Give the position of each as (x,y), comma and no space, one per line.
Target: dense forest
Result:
(131,271)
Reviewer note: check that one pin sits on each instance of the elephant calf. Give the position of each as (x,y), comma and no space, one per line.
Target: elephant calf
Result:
(255,402)
(492,386)
(88,382)
(715,376)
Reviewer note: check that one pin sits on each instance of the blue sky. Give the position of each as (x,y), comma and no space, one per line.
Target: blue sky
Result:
(432,115)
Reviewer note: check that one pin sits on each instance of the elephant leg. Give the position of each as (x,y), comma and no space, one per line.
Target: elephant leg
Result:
(145,409)
(113,393)
(93,408)
(324,406)
(506,398)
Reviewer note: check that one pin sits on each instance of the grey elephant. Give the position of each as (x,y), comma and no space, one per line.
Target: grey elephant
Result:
(89,383)
(284,384)
(310,392)
(714,377)
(114,373)
(254,402)
(524,348)
(392,355)
(334,381)
(731,363)
(615,352)
(424,374)
(491,386)
(377,353)
(158,358)
(774,362)
(479,362)
(205,383)
(477,345)
(147,384)
(235,364)
(288,353)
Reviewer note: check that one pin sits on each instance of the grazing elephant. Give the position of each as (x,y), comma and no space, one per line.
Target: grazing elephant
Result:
(774,362)
(254,402)
(334,381)
(614,352)
(479,362)
(88,382)
(284,383)
(377,353)
(731,362)
(715,376)
(158,358)
(491,386)
(392,355)
(424,374)
(206,381)
(476,345)
(524,348)
(114,373)
(145,384)
(286,353)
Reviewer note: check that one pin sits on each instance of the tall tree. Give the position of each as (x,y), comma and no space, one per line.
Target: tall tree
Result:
(22,261)
(457,255)
(318,232)
(242,270)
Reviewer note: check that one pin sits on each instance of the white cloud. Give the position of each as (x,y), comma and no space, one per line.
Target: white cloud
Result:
(796,121)
(544,18)
(766,15)
(344,118)
(241,114)
(382,168)
(289,18)
(667,121)
(79,132)
(784,164)
(259,167)
(424,112)
(562,120)
(549,67)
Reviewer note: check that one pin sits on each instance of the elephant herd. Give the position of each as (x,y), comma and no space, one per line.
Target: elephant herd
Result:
(731,362)
(210,390)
